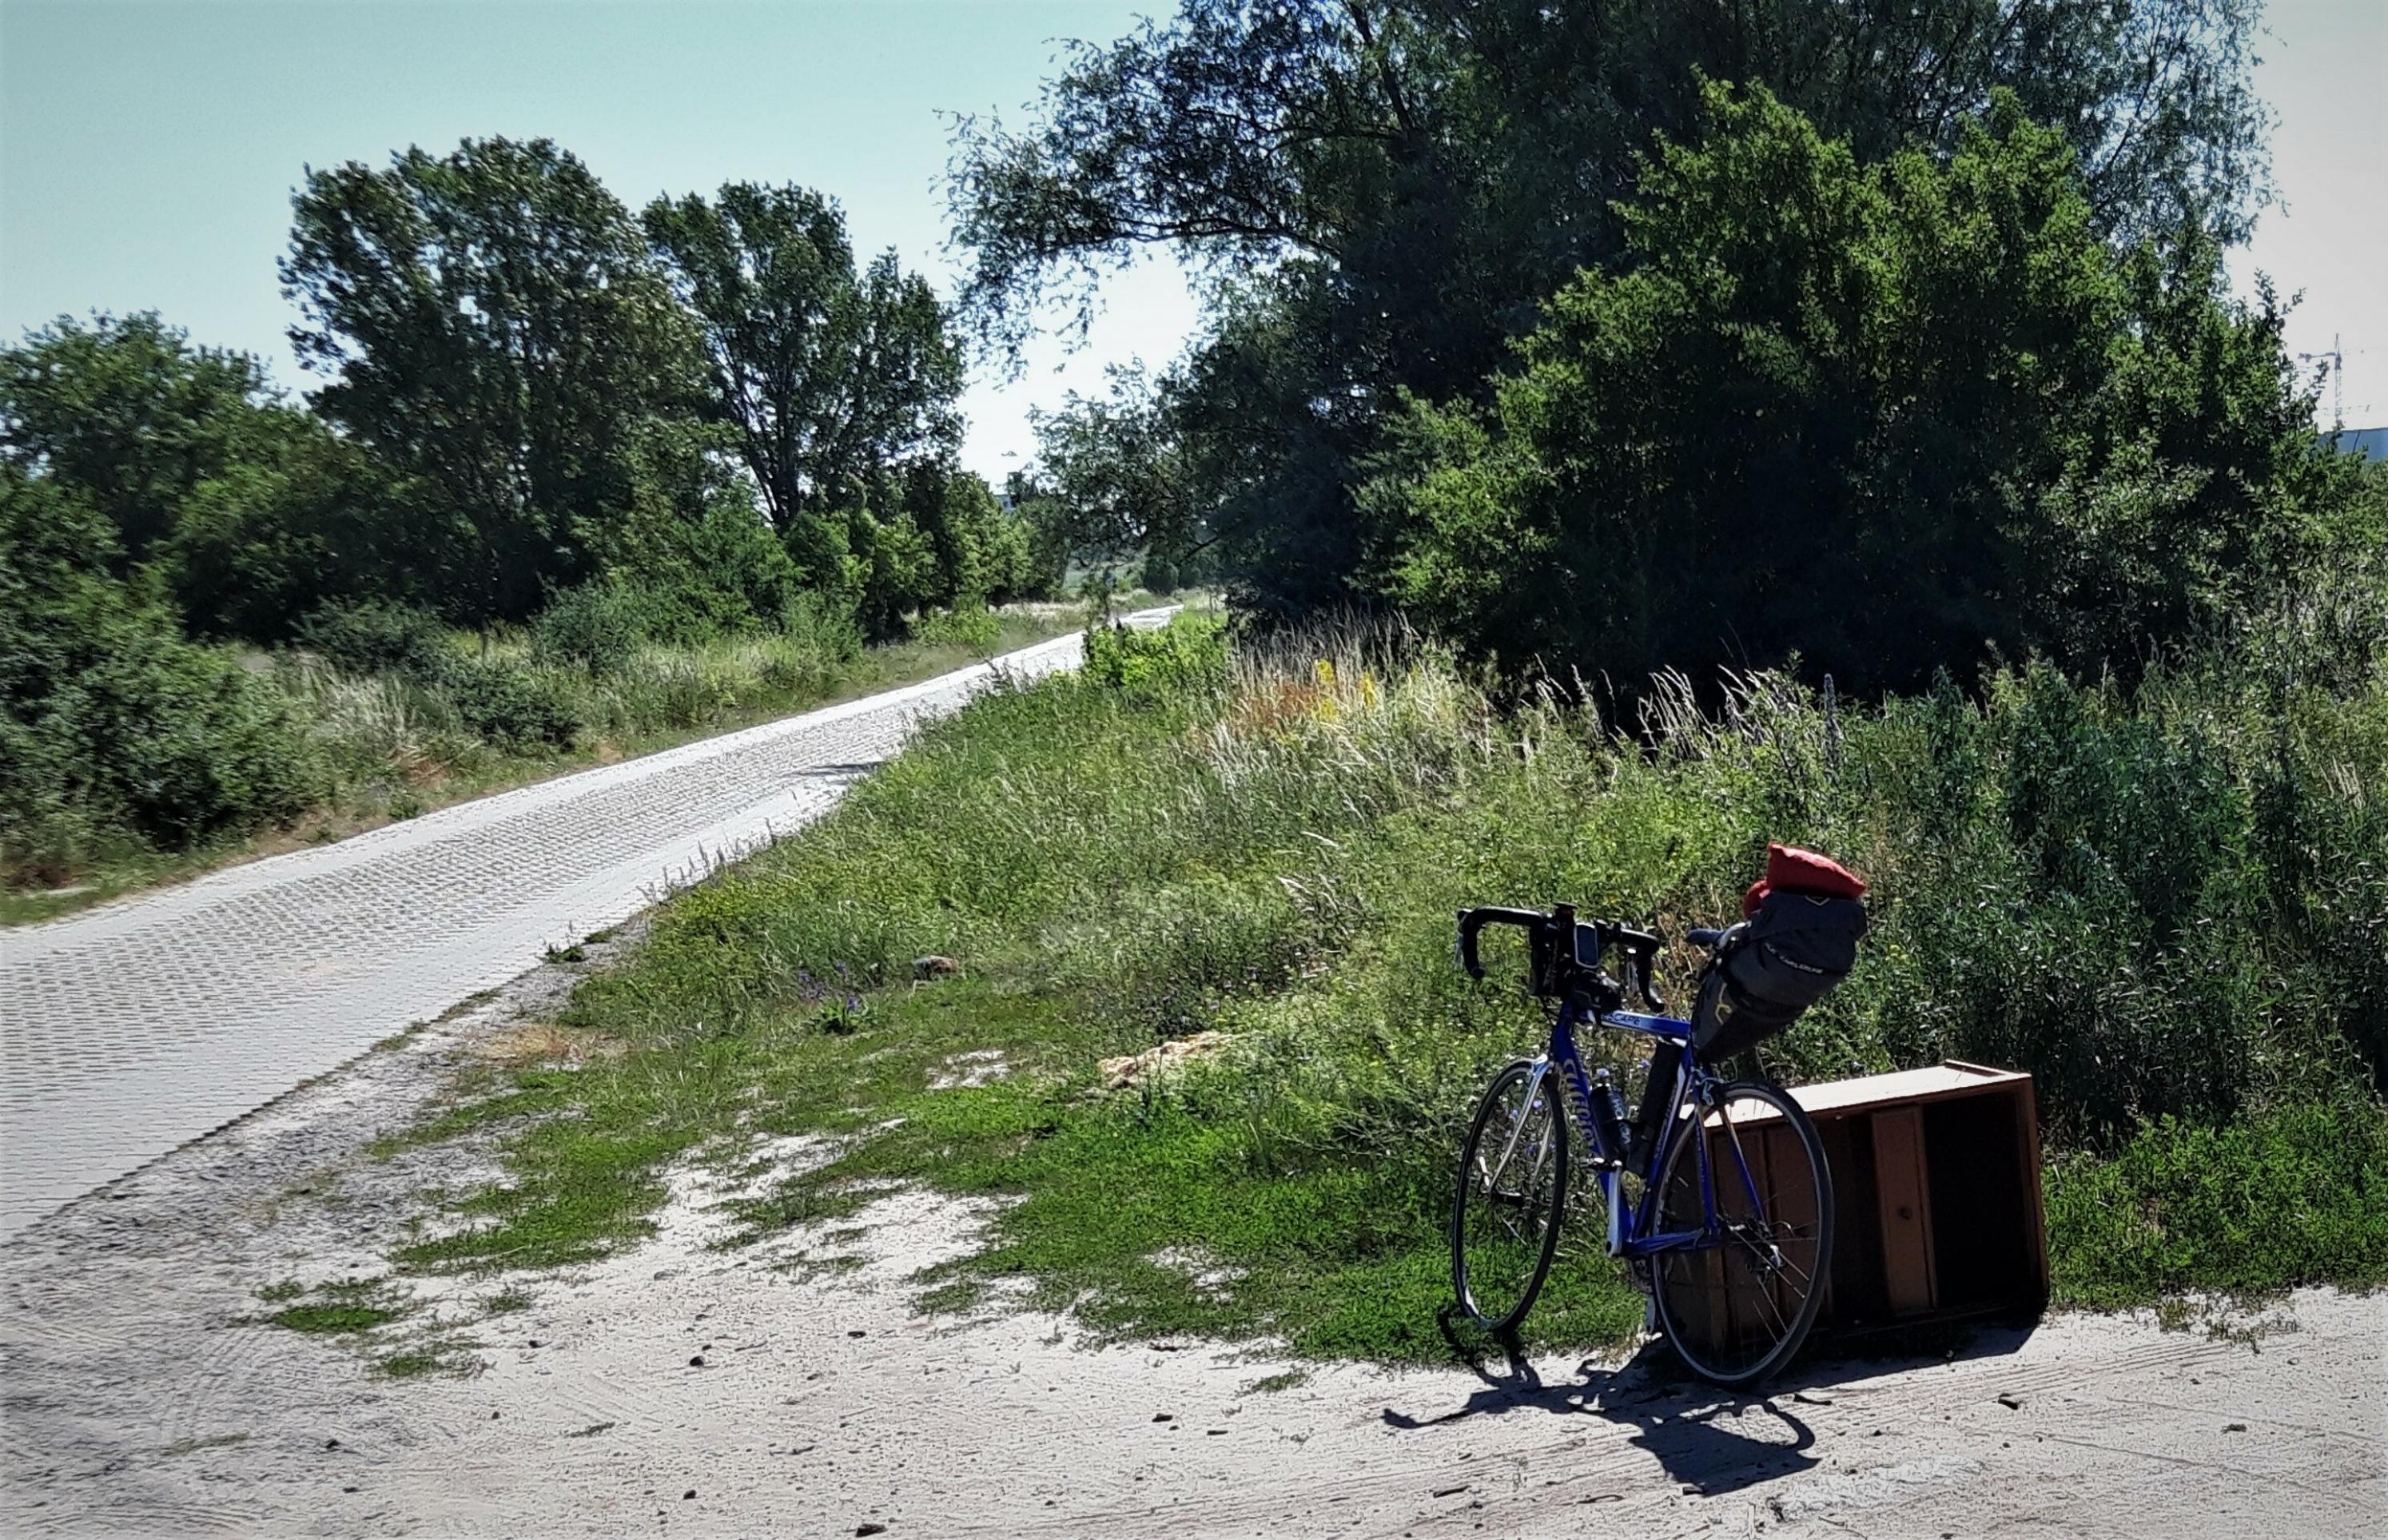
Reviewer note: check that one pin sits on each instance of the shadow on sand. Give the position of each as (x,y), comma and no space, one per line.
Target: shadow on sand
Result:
(1717,1440)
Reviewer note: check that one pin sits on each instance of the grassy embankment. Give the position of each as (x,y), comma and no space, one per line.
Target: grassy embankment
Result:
(2169,904)
(376,745)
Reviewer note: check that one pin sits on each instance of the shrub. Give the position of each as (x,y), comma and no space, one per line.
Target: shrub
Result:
(517,709)
(109,721)
(972,626)
(376,636)
(596,627)
(1189,654)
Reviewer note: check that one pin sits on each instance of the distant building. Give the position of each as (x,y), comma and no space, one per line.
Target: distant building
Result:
(2369,443)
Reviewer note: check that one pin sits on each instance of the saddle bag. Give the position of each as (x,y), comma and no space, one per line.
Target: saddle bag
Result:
(1799,939)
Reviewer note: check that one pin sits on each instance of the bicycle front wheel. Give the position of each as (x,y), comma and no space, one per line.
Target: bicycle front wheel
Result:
(1737,1306)
(1505,1219)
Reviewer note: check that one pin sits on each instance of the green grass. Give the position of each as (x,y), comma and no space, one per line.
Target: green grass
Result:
(2295,1195)
(1273,849)
(342,1309)
(385,749)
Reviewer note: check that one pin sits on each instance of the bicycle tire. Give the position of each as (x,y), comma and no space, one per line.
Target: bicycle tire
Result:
(1470,1193)
(1722,1307)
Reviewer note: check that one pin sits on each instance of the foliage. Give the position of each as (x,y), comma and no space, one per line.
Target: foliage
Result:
(695,545)
(974,628)
(2071,879)
(832,379)
(1187,655)
(2295,1195)
(515,709)
(490,322)
(1114,470)
(113,727)
(132,416)
(1926,387)
(1385,190)
(375,636)
(596,627)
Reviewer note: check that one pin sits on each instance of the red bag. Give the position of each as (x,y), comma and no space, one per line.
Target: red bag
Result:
(1793,869)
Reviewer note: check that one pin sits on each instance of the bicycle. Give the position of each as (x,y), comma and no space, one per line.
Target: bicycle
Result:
(1732,1256)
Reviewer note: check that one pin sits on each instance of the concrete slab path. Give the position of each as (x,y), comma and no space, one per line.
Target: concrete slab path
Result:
(130,1029)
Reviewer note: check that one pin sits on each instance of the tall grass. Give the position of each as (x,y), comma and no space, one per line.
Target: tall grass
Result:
(2166,904)
(395,714)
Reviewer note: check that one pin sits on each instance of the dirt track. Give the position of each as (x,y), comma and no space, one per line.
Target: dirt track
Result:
(142,1395)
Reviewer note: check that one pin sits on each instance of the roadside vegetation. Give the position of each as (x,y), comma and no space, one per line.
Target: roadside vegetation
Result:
(1757,454)
(2115,888)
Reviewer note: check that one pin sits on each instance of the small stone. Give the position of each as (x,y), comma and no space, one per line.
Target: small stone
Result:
(869,1529)
(1164,1416)
(2009,1402)
(331,1444)
(2234,1427)
(534,1341)
(689,1495)
(696,1360)
(857,1333)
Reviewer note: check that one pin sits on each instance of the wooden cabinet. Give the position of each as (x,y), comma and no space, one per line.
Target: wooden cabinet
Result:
(1935,1183)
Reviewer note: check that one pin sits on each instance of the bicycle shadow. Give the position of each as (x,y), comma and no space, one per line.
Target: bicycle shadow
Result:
(1691,1429)
(1717,1440)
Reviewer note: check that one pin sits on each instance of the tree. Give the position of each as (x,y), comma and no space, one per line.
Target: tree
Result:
(834,379)
(110,722)
(132,417)
(1385,191)
(1879,416)
(491,322)
(694,545)
(252,511)
(1113,468)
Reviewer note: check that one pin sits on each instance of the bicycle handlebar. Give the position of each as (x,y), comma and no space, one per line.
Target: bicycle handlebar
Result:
(1474,919)
(1556,964)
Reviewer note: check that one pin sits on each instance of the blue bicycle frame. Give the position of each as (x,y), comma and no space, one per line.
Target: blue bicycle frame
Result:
(1631,1233)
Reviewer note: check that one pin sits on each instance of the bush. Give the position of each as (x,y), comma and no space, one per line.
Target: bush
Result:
(972,626)
(376,636)
(110,723)
(2288,1195)
(514,709)
(1189,654)
(596,627)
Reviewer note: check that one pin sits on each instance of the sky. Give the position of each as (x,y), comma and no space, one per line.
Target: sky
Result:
(148,148)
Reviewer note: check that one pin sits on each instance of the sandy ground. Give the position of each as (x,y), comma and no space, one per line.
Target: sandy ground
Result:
(681,1388)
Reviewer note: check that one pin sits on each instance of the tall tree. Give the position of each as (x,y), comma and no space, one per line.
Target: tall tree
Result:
(835,379)
(1879,416)
(1385,190)
(490,322)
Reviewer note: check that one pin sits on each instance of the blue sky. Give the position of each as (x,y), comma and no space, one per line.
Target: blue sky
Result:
(147,150)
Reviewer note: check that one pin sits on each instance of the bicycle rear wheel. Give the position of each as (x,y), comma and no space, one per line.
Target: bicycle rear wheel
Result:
(1737,1309)
(1505,1219)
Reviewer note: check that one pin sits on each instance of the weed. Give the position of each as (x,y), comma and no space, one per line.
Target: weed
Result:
(333,1318)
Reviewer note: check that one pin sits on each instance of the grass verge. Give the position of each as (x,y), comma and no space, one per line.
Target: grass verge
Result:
(1270,847)
(388,752)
